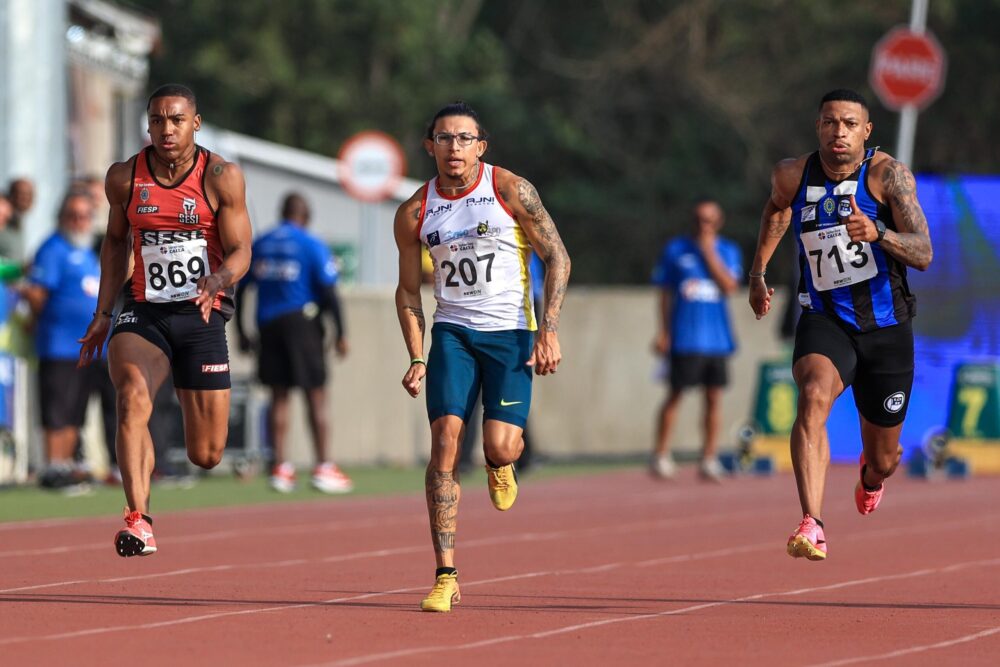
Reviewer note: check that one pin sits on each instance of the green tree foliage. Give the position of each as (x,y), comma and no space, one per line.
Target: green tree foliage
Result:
(621,112)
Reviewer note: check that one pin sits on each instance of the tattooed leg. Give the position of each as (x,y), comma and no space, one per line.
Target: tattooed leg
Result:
(442,487)
(443,493)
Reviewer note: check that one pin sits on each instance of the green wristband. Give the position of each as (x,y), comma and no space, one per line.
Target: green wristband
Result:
(417,360)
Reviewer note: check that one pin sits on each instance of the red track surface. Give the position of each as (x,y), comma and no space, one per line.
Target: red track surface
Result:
(617,569)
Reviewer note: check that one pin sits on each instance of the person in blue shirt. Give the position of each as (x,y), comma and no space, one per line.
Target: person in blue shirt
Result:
(695,274)
(295,277)
(62,291)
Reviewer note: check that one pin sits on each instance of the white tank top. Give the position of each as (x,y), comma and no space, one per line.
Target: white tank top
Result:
(480,256)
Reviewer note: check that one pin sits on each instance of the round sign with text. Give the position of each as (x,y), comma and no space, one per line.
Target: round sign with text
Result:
(371,165)
(907,68)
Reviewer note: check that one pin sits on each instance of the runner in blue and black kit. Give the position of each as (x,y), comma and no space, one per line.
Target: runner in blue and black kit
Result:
(858,226)
(296,280)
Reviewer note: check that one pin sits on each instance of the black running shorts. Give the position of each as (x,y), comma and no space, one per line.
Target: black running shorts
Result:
(63,392)
(696,370)
(198,353)
(291,352)
(878,364)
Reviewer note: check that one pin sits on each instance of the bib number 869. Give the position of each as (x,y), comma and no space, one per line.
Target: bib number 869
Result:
(176,273)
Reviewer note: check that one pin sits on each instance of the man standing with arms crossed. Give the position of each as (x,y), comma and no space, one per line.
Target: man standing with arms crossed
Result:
(480,224)
(184,211)
(858,225)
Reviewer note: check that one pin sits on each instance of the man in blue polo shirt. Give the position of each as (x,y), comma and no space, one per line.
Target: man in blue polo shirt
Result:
(695,274)
(62,293)
(296,280)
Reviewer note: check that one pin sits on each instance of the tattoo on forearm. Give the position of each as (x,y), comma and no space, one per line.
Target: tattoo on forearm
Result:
(418,313)
(550,249)
(912,243)
(443,492)
(777,225)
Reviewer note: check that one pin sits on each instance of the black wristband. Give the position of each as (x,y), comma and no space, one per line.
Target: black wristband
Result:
(103,312)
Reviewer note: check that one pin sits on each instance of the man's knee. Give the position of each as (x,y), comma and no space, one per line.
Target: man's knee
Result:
(133,403)
(206,455)
(815,397)
(501,451)
(445,444)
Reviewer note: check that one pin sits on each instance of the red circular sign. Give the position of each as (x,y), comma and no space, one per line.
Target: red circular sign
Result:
(371,165)
(907,68)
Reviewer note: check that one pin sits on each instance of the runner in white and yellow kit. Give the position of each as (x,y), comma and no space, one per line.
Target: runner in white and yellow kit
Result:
(480,224)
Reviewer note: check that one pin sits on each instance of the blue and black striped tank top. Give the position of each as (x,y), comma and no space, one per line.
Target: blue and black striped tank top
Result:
(858,283)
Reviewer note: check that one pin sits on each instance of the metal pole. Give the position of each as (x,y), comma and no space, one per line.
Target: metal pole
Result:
(908,115)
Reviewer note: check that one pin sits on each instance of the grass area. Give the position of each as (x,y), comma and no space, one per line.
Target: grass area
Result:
(30,502)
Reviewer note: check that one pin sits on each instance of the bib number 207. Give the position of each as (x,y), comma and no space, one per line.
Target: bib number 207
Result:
(466,270)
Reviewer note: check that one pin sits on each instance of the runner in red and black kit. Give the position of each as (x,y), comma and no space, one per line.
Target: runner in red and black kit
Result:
(183,210)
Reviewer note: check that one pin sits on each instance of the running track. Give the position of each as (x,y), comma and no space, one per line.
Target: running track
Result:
(614,569)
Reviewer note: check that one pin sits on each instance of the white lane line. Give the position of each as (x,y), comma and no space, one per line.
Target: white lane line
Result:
(547,509)
(396,551)
(408,652)
(913,649)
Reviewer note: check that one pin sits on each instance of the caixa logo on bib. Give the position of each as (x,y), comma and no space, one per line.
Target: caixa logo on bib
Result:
(895,402)
(188,216)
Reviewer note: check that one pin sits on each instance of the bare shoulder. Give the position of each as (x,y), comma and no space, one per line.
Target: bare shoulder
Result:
(888,177)
(408,213)
(785,178)
(222,175)
(509,184)
(118,181)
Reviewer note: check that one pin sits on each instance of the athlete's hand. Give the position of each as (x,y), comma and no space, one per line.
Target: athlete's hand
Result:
(545,356)
(208,287)
(760,297)
(93,340)
(859,226)
(247,344)
(414,376)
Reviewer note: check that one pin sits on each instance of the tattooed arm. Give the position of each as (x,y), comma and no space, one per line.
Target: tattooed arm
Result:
(408,306)
(910,243)
(522,199)
(773,223)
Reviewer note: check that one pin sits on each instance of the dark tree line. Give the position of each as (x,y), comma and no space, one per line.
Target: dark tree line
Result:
(621,112)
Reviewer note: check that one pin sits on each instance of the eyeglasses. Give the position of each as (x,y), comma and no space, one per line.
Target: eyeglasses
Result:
(464,139)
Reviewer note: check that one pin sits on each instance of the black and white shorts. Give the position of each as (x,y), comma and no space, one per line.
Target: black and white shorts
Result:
(878,364)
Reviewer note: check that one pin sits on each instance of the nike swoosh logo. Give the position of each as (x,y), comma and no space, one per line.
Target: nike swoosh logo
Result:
(504,404)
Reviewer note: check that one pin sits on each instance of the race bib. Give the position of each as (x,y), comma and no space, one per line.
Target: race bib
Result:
(465,268)
(835,260)
(174,269)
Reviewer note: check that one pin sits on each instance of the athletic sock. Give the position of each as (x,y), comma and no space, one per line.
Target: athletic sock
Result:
(148,519)
(445,570)
(819,522)
(868,488)
(491,464)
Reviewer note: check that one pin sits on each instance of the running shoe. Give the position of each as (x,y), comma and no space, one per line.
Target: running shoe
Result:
(136,539)
(283,478)
(503,486)
(444,594)
(710,470)
(328,478)
(663,466)
(808,541)
(866,500)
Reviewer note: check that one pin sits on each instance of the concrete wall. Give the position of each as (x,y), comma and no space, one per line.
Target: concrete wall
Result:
(603,400)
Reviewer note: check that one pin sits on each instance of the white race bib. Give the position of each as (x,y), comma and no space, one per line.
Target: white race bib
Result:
(174,269)
(465,268)
(835,260)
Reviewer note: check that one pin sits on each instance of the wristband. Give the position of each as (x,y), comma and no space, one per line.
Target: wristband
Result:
(417,360)
(103,312)
(757,275)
